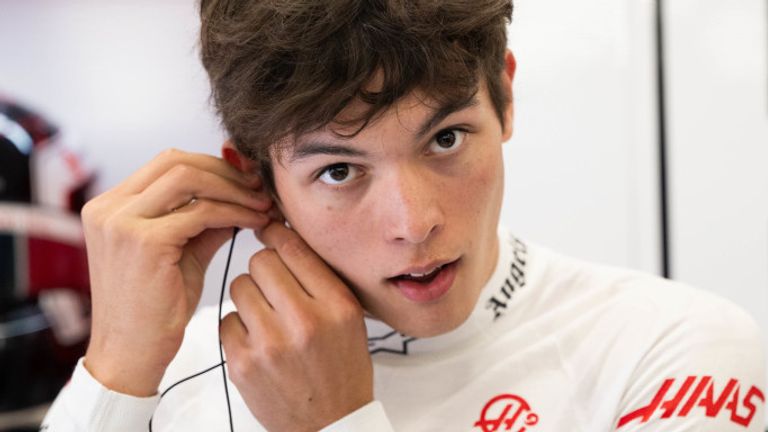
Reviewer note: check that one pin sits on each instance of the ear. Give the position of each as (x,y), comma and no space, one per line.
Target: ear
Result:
(508,76)
(240,162)
(232,155)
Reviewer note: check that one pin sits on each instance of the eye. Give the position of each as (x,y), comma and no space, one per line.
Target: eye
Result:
(338,174)
(447,140)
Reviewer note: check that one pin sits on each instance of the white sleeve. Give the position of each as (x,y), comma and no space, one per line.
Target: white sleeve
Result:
(705,373)
(369,418)
(86,405)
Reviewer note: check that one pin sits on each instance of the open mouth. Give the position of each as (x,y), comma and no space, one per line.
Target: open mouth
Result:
(421,277)
(427,286)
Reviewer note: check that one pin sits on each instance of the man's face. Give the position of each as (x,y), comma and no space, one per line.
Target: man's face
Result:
(405,213)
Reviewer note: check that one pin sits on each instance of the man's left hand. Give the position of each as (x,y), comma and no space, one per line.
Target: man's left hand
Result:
(297,348)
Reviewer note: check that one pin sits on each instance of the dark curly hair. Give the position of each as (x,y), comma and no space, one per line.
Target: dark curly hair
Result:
(282,68)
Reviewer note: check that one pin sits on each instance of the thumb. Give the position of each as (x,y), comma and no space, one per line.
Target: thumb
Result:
(196,258)
(204,246)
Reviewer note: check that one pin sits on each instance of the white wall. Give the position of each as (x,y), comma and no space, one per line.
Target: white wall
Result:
(581,173)
(718,116)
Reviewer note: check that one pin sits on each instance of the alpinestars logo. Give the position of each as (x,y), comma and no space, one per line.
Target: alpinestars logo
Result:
(516,280)
(392,342)
(696,393)
(507,412)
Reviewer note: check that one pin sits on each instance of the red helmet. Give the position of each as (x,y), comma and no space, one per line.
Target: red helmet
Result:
(43,269)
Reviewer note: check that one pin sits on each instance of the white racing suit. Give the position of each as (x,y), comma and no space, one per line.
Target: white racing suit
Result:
(554,344)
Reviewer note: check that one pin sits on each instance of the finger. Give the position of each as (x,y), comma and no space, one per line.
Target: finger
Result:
(202,248)
(312,273)
(233,333)
(277,283)
(276,214)
(191,220)
(166,160)
(254,308)
(184,183)
(246,293)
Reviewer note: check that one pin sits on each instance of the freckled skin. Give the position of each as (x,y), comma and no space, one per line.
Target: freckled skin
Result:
(407,208)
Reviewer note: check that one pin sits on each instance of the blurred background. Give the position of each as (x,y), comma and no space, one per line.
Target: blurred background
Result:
(617,157)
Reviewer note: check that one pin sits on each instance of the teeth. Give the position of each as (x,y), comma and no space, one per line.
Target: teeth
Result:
(421,275)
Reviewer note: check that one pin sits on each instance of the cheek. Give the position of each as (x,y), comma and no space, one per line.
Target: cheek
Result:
(330,229)
(316,222)
(480,191)
(333,232)
(492,179)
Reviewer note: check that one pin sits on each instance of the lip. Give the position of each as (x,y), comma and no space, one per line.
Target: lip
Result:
(418,292)
(424,268)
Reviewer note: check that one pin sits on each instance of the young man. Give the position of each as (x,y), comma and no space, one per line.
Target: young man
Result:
(389,299)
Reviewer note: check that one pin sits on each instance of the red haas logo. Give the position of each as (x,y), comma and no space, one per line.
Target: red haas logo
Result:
(703,394)
(505,412)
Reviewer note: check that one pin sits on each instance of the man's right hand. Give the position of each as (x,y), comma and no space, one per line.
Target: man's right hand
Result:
(149,241)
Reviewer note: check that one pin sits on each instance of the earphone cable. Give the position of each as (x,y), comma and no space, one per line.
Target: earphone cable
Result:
(221,349)
(223,362)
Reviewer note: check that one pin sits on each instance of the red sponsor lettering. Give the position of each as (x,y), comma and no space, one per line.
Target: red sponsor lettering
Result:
(705,395)
(749,404)
(506,412)
(713,406)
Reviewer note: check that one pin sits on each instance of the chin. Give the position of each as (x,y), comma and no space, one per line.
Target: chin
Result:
(434,329)
(426,320)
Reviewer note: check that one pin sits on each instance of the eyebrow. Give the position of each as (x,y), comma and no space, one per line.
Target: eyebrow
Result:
(444,112)
(313,148)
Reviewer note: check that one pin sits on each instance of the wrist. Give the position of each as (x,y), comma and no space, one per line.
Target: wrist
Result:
(132,372)
(124,378)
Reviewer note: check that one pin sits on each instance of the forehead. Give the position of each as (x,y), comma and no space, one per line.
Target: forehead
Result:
(414,103)
(417,113)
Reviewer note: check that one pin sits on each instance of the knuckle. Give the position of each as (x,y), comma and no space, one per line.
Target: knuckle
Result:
(235,358)
(305,335)
(90,210)
(169,154)
(294,247)
(268,352)
(92,214)
(228,320)
(238,287)
(261,258)
(105,217)
(180,172)
(239,367)
(348,311)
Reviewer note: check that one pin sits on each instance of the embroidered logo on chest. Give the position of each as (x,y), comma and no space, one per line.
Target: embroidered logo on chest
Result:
(392,342)
(507,412)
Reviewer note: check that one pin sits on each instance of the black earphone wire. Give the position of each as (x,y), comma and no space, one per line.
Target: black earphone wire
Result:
(221,350)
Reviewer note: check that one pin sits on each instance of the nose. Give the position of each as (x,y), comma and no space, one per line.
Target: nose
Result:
(413,213)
